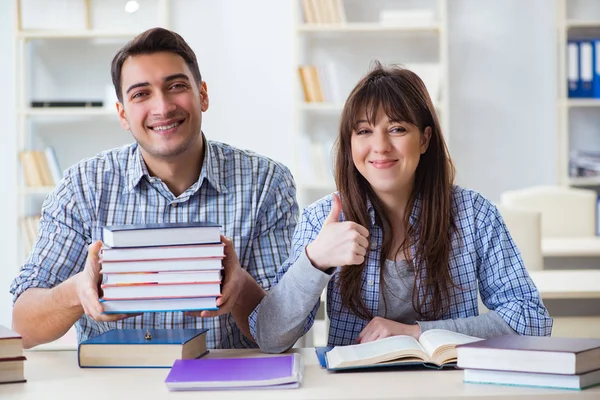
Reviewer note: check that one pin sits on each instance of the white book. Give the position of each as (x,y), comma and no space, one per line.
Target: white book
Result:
(148,266)
(158,305)
(161,252)
(151,290)
(162,277)
(162,234)
(558,381)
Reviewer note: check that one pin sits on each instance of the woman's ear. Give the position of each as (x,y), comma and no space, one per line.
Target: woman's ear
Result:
(425,138)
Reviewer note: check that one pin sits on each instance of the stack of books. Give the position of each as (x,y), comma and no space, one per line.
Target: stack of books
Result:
(11,356)
(161,267)
(551,362)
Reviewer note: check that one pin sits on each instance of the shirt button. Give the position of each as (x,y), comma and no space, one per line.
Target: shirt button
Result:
(370,282)
(174,204)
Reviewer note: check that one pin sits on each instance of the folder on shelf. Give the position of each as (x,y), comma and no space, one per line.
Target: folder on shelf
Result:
(586,68)
(573,69)
(596,68)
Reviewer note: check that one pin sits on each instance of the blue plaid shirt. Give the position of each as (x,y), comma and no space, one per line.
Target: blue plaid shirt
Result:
(483,258)
(251,196)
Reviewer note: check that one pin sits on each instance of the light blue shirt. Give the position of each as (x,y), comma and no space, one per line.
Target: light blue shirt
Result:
(251,196)
(483,259)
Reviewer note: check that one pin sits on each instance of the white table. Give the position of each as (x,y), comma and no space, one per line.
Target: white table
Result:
(55,375)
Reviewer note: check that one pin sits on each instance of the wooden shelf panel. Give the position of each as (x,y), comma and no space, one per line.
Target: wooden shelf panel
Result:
(70,111)
(69,34)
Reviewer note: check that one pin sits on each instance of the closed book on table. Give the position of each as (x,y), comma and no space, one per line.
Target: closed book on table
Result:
(274,372)
(142,348)
(552,355)
(534,379)
(11,343)
(161,252)
(139,235)
(12,370)
(158,305)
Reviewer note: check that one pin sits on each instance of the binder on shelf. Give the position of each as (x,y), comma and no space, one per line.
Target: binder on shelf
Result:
(586,68)
(573,69)
(597,68)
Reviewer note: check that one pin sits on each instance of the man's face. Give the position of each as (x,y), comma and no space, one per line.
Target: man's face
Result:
(162,104)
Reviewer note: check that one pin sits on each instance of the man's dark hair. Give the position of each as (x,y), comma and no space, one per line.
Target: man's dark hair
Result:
(153,40)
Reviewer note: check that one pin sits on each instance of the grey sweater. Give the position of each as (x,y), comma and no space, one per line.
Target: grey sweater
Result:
(282,314)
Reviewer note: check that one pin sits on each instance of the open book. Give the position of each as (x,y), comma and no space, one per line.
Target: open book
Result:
(435,346)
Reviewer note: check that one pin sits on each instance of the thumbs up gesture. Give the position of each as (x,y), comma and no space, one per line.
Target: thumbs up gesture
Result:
(338,243)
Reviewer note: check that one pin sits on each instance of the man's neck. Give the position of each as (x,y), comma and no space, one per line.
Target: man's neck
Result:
(180,172)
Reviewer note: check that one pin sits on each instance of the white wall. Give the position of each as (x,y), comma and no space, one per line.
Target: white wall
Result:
(8,240)
(502,62)
(502,93)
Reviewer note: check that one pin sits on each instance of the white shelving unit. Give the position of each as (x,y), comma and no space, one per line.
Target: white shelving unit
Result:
(55,63)
(577,118)
(350,47)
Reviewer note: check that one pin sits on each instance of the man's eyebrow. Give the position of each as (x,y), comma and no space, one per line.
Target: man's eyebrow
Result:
(167,79)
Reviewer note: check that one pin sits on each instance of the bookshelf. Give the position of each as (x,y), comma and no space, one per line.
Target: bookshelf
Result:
(577,118)
(336,41)
(63,51)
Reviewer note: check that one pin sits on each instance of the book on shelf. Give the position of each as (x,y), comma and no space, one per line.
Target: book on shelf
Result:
(159,277)
(552,355)
(141,348)
(161,252)
(11,356)
(40,167)
(554,381)
(159,305)
(323,11)
(435,347)
(150,290)
(29,229)
(142,235)
(311,83)
(165,265)
(274,372)
(65,103)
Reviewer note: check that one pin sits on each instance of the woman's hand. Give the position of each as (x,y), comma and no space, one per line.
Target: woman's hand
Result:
(380,328)
(338,243)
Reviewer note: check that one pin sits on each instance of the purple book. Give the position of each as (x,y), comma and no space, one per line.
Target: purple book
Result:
(236,373)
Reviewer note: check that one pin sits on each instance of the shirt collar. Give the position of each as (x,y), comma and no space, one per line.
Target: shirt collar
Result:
(414,215)
(210,171)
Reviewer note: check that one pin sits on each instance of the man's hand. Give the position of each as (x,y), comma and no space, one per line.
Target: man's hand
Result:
(87,283)
(380,328)
(233,283)
(338,243)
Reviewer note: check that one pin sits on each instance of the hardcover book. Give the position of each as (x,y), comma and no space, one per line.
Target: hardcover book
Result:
(161,252)
(11,343)
(555,381)
(142,348)
(161,234)
(435,347)
(158,305)
(552,355)
(275,372)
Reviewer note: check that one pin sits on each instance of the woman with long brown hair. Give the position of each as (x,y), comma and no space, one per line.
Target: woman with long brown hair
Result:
(400,248)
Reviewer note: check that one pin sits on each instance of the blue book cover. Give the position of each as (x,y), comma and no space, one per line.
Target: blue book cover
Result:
(170,225)
(141,348)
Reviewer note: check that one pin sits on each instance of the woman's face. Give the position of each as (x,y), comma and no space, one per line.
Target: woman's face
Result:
(387,154)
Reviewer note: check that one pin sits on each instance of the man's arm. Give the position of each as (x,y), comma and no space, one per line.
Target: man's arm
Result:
(41,315)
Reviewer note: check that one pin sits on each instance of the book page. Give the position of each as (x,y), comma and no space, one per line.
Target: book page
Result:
(440,344)
(375,352)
